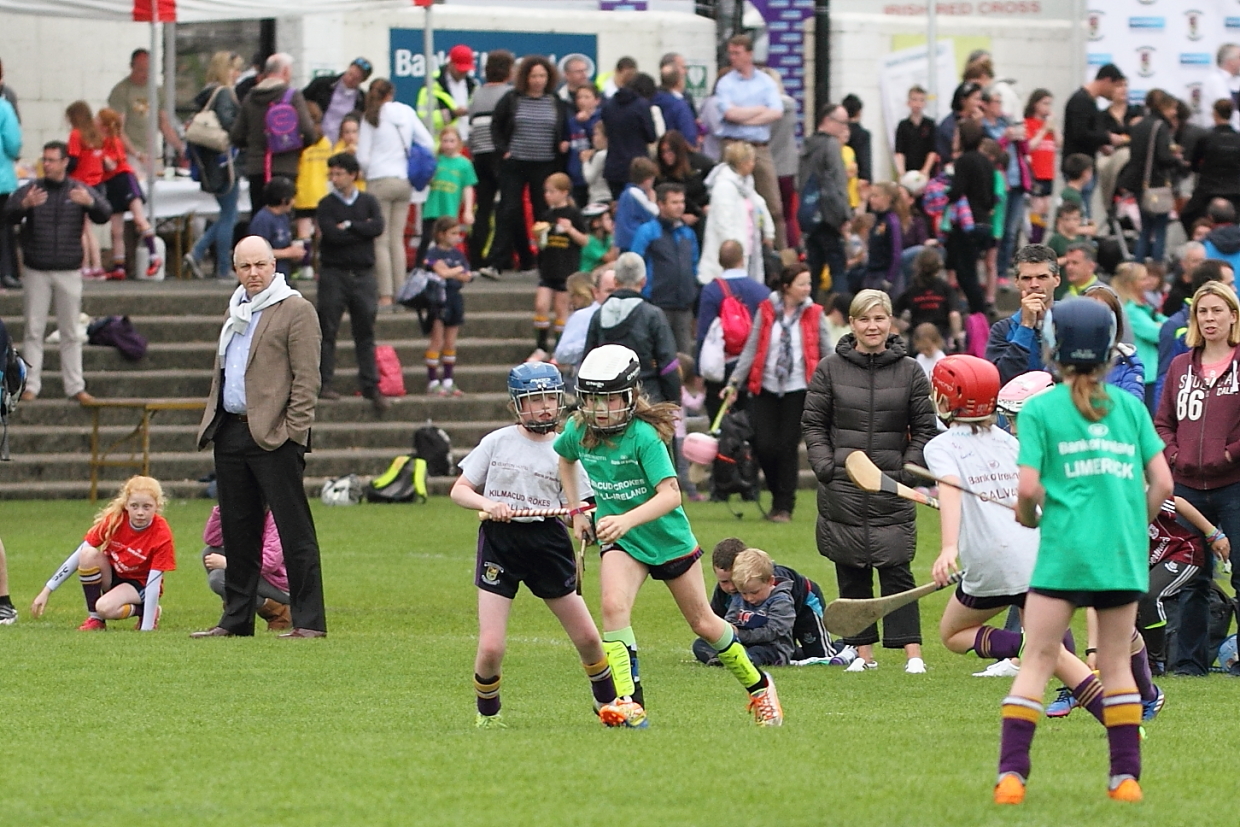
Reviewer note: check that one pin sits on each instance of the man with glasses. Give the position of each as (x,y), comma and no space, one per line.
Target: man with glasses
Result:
(263,394)
(1015,344)
(338,95)
(51,211)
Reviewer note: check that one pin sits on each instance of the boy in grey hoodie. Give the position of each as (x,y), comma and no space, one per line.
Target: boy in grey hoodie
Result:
(762,610)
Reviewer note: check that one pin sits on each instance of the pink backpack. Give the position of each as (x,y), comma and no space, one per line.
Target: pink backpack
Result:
(977,331)
(281,128)
(391,379)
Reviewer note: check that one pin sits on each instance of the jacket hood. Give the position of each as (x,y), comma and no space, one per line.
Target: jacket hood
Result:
(269,90)
(1226,238)
(624,96)
(618,307)
(724,174)
(847,348)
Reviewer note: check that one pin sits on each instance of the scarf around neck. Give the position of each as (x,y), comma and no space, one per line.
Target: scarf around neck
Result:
(240,311)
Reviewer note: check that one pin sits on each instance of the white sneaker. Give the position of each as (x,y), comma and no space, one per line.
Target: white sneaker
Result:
(432,388)
(1000,669)
(915,666)
(860,665)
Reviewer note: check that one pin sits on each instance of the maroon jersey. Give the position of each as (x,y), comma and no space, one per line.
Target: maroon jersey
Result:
(1170,541)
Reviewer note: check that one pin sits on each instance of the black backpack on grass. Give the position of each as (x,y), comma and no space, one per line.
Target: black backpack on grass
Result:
(432,444)
(735,469)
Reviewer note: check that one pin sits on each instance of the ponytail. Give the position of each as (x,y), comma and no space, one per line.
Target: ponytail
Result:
(1088,394)
(376,96)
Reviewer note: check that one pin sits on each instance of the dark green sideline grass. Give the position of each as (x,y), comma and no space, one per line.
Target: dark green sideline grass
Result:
(374,725)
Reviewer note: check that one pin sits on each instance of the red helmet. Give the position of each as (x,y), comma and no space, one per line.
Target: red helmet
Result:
(964,388)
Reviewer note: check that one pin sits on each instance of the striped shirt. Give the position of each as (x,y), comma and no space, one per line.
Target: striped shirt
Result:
(534,129)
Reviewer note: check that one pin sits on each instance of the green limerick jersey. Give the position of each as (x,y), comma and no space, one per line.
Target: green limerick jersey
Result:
(624,472)
(1094,527)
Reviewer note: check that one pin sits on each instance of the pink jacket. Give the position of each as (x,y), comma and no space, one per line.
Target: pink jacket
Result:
(273,554)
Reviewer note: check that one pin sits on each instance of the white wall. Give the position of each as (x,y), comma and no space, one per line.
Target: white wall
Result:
(1033,52)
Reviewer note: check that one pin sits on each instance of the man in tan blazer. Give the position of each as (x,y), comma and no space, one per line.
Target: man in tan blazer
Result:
(258,416)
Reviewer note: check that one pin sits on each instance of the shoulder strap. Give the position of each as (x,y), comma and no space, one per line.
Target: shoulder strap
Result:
(723,285)
(1149,153)
(211,100)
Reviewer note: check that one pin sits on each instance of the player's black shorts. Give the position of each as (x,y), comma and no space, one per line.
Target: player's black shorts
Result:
(452,313)
(664,571)
(553,282)
(1111,599)
(1041,188)
(140,588)
(985,604)
(304,212)
(539,554)
(120,190)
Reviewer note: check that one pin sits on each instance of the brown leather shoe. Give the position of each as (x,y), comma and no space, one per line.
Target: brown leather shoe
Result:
(214,631)
(304,633)
(83,398)
(276,614)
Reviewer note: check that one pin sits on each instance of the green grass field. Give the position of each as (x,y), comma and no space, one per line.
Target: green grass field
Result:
(374,725)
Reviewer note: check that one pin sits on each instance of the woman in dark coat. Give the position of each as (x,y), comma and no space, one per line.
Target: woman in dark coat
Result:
(630,129)
(869,396)
(1157,127)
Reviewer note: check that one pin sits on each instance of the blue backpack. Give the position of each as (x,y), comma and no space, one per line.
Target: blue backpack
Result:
(421,166)
(809,211)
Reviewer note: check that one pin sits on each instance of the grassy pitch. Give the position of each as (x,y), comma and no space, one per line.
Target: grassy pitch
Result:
(374,725)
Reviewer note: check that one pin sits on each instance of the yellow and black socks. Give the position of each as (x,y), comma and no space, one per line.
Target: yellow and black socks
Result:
(432,366)
(601,684)
(620,647)
(542,328)
(487,690)
(1020,719)
(92,586)
(733,656)
(1121,713)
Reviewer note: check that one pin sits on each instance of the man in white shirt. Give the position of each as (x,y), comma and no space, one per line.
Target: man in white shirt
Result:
(1222,82)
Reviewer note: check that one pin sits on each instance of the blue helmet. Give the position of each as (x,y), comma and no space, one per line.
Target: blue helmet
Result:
(1079,333)
(536,379)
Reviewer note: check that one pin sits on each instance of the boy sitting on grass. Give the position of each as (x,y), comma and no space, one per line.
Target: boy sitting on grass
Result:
(761,611)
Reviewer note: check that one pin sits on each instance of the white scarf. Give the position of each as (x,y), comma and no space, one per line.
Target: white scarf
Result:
(240,312)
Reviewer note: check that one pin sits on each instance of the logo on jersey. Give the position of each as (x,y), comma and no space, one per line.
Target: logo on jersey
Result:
(1098,429)
(491,573)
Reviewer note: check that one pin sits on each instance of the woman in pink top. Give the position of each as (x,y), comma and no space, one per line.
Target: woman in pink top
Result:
(272,601)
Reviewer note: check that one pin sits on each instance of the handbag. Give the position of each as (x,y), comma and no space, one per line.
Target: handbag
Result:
(1154,200)
(420,164)
(204,128)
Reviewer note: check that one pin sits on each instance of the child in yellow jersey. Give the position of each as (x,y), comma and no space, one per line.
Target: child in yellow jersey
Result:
(312,185)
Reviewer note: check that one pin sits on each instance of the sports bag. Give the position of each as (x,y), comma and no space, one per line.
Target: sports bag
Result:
(735,470)
(420,164)
(282,129)
(425,292)
(432,444)
(391,378)
(404,481)
(346,490)
(734,319)
(712,360)
(204,128)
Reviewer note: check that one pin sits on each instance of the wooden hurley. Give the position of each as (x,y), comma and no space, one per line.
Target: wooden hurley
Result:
(867,476)
(535,512)
(847,617)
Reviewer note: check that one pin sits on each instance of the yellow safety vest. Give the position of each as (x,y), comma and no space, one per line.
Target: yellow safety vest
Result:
(437,118)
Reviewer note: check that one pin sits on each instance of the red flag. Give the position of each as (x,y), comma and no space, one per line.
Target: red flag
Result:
(166,10)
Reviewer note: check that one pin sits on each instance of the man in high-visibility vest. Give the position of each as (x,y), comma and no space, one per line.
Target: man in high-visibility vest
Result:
(452,90)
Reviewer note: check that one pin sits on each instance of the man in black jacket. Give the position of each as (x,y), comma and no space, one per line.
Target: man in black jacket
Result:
(349,222)
(822,158)
(628,319)
(1216,160)
(338,95)
(1084,129)
(52,209)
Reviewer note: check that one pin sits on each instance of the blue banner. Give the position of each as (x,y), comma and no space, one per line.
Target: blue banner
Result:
(409,65)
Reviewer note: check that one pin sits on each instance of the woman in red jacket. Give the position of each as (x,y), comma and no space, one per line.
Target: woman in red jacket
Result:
(1199,419)
(787,339)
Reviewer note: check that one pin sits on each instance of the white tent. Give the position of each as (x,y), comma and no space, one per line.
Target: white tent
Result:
(191,11)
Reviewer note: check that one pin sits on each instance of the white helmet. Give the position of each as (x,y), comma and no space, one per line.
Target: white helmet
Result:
(914,181)
(608,371)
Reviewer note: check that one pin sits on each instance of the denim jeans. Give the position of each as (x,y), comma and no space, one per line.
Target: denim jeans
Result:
(1220,506)
(1012,223)
(1152,240)
(221,233)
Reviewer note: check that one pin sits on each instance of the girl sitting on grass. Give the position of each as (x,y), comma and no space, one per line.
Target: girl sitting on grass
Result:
(122,561)
(515,467)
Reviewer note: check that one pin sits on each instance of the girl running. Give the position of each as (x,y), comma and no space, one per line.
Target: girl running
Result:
(515,467)
(998,556)
(122,561)
(621,440)
(1084,442)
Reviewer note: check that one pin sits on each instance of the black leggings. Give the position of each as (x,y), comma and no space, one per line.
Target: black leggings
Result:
(486,165)
(776,437)
(963,249)
(510,232)
(901,627)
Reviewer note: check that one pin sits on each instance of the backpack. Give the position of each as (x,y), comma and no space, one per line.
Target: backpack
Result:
(809,211)
(282,129)
(391,378)
(735,470)
(735,321)
(12,384)
(346,490)
(433,445)
(420,166)
(424,292)
(404,481)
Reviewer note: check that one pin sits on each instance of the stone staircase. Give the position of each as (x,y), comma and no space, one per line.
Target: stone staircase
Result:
(50,437)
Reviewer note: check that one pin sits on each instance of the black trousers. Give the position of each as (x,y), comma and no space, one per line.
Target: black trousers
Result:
(901,627)
(825,245)
(358,292)
(257,184)
(251,479)
(486,167)
(776,437)
(963,249)
(510,233)
(8,243)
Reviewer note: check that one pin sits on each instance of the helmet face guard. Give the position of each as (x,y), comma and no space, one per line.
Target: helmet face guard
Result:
(604,415)
(607,388)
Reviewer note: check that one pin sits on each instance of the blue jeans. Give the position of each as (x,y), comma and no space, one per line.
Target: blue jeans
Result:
(1012,223)
(1152,240)
(1087,194)
(1220,506)
(221,233)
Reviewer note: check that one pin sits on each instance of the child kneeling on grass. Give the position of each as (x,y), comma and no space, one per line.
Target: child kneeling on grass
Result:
(813,642)
(122,561)
(515,468)
(622,441)
(761,611)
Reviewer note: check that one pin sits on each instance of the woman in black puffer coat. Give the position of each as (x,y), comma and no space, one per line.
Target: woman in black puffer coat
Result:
(869,396)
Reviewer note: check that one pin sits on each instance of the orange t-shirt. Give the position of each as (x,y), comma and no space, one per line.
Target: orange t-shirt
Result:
(1041,159)
(89,169)
(134,553)
(114,150)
